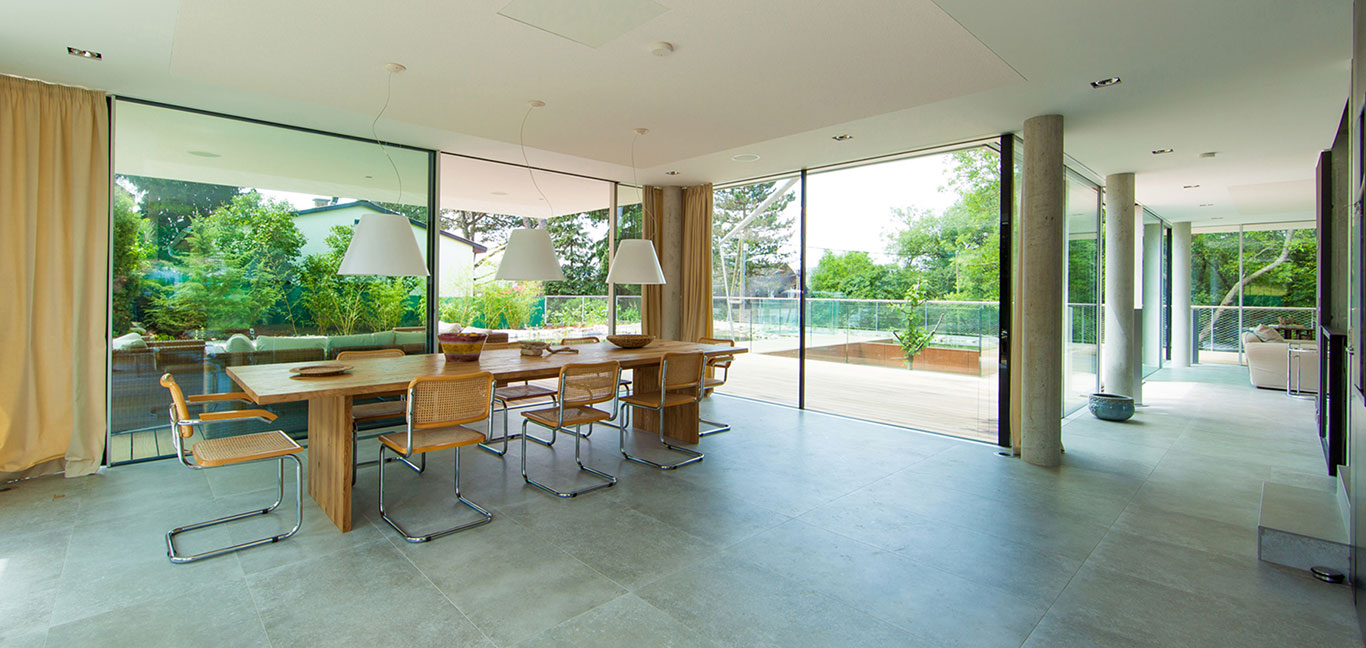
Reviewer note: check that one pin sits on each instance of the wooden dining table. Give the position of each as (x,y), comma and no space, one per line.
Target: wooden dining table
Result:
(329,398)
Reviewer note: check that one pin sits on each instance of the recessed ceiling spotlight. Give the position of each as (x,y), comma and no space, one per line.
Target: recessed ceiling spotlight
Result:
(1194,186)
(662,48)
(1161,151)
(499,193)
(85,54)
(670,173)
(204,154)
(1209,154)
(1216,218)
(744,157)
(1206,204)
(1105,83)
(843,137)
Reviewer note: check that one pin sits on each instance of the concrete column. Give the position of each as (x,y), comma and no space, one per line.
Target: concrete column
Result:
(1181,295)
(671,260)
(1043,259)
(1152,294)
(1116,368)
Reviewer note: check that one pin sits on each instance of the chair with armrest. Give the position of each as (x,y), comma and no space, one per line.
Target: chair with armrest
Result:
(438,409)
(721,364)
(680,383)
(378,411)
(581,386)
(227,451)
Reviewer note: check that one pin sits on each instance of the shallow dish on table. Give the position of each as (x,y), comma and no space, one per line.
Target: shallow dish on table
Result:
(630,341)
(314,371)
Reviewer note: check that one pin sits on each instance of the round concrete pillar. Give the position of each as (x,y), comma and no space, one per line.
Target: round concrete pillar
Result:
(1181,295)
(1043,258)
(1116,359)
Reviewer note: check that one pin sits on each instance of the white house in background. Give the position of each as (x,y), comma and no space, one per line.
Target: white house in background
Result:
(456,252)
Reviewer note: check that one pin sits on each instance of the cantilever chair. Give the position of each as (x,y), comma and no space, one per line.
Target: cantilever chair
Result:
(581,387)
(505,395)
(624,382)
(227,451)
(377,411)
(438,409)
(680,383)
(709,383)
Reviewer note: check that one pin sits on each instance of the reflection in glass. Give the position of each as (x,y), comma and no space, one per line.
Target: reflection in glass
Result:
(227,239)
(1081,321)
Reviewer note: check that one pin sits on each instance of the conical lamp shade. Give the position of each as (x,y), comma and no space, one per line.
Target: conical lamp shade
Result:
(529,257)
(635,263)
(383,244)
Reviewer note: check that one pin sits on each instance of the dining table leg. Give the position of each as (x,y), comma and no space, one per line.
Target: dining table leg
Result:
(330,457)
(680,421)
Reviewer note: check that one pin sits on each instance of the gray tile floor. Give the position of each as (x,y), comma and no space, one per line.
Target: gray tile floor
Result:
(799,529)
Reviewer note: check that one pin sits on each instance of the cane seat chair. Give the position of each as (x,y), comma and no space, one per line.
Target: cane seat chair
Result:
(721,365)
(439,407)
(625,383)
(680,383)
(228,451)
(507,395)
(383,410)
(581,386)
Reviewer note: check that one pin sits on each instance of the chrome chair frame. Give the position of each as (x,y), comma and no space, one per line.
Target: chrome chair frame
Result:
(715,363)
(486,516)
(622,385)
(507,407)
(693,456)
(611,480)
(355,425)
(183,456)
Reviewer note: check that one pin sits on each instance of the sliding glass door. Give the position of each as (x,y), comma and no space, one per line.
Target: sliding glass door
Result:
(227,237)
(903,289)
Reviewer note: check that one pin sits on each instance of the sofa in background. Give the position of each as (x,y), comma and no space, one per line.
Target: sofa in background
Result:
(1268,358)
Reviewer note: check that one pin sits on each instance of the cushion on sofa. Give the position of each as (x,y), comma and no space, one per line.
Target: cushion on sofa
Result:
(290,343)
(405,338)
(238,343)
(1268,334)
(448,327)
(338,342)
(128,341)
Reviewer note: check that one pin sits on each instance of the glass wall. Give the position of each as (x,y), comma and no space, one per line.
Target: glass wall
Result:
(227,236)
(1156,292)
(903,279)
(756,257)
(1243,277)
(1081,321)
(630,225)
(481,203)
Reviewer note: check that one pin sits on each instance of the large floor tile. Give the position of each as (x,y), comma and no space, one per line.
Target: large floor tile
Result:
(367,595)
(734,602)
(624,622)
(222,614)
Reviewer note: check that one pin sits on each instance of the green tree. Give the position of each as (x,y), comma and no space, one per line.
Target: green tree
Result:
(346,304)
(580,241)
(758,247)
(172,206)
(133,246)
(855,275)
(955,255)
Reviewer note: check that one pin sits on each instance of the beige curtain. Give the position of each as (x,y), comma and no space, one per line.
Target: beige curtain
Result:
(54,258)
(652,302)
(696,267)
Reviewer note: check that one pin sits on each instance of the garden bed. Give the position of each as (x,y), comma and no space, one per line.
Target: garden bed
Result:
(889,354)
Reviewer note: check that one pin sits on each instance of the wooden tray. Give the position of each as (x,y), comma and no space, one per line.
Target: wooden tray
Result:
(319,370)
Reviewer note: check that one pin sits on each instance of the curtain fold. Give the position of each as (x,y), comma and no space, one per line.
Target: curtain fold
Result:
(696,264)
(54,259)
(652,297)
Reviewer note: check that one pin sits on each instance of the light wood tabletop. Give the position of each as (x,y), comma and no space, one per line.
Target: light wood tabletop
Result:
(329,398)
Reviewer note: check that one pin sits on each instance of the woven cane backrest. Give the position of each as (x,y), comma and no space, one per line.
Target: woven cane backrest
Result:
(182,409)
(682,370)
(587,339)
(375,353)
(587,384)
(438,401)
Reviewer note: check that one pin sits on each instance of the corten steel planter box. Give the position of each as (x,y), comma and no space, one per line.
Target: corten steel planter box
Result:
(888,354)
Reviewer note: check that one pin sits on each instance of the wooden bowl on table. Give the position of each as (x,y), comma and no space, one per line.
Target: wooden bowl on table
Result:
(631,341)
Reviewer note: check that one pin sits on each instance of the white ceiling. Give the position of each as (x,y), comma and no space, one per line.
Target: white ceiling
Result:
(1261,82)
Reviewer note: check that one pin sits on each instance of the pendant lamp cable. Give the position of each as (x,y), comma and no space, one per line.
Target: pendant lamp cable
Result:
(388,93)
(521,140)
(635,179)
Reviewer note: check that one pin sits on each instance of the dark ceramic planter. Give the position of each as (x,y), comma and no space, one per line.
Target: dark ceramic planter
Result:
(1112,407)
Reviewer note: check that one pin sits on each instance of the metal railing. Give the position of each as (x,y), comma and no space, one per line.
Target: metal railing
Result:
(1220,327)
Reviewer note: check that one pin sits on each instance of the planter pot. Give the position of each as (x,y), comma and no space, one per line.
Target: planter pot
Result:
(462,347)
(1112,407)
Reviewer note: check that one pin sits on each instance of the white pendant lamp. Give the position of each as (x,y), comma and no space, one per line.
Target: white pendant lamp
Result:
(385,245)
(529,256)
(635,263)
